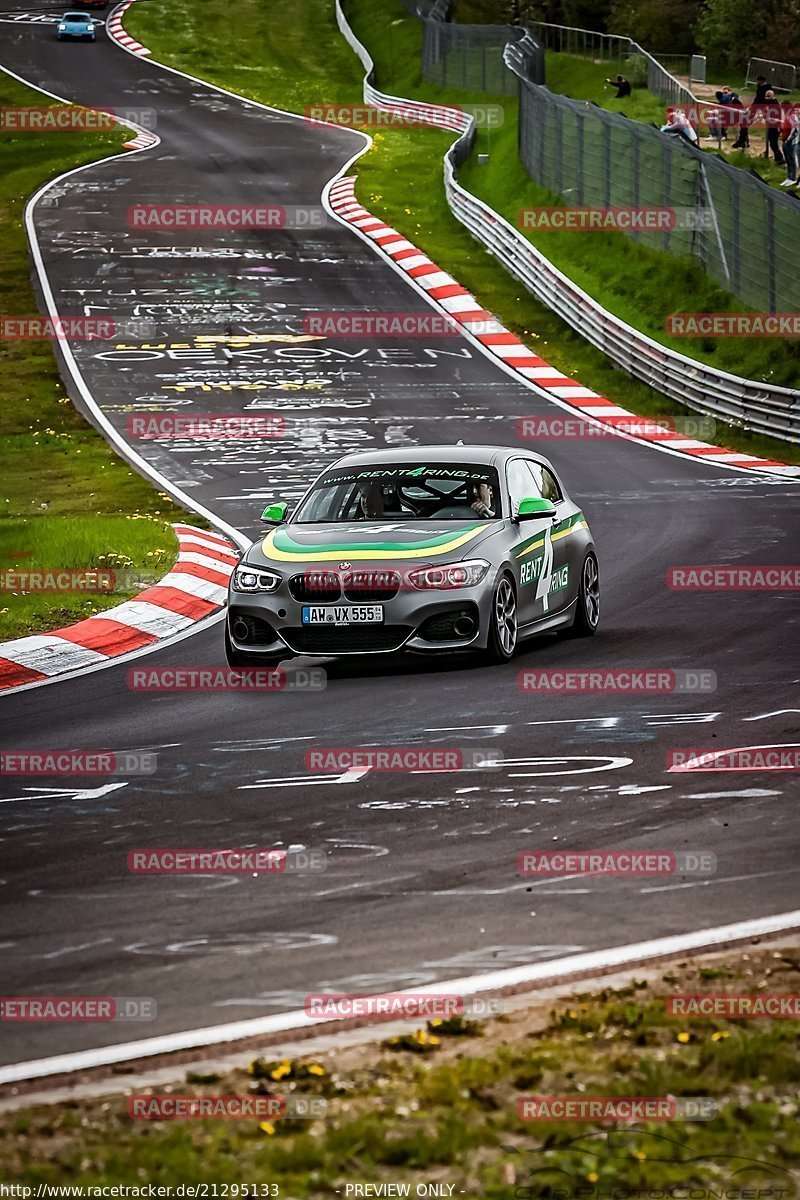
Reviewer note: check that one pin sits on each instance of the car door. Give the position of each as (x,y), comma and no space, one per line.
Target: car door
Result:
(540,557)
(562,572)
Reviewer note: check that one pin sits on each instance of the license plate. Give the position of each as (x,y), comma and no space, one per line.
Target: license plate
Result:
(353,614)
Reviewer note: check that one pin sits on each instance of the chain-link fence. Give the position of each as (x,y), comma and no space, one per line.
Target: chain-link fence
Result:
(741,231)
(610,48)
(471,56)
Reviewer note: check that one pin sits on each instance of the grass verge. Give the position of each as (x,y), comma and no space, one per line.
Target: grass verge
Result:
(441,1105)
(67,500)
(400,181)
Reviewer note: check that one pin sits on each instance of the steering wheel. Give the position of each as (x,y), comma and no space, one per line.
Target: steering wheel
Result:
(453,512)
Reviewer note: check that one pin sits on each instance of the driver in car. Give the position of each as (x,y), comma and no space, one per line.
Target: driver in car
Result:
(371,500)
(480,495)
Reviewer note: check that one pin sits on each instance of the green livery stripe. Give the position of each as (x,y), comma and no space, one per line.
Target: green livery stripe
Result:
(281,547)
(568,527)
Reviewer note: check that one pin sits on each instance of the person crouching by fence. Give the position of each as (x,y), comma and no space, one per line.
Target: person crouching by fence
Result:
(679,125)
(715,119)
(622,85)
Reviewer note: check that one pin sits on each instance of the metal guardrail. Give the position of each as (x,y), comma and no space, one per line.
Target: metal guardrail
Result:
(760,407)
(779,75)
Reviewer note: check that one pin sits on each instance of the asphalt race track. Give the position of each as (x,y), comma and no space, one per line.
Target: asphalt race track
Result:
(421,882)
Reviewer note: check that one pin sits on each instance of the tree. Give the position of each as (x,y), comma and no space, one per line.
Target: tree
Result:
(729,32)
(664,26)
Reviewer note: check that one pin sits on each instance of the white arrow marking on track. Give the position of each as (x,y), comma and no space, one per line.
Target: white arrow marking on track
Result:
(351,776)
(76,793)
(779,712)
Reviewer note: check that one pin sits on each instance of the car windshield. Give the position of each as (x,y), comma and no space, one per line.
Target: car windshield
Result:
(77,17)
(404,491)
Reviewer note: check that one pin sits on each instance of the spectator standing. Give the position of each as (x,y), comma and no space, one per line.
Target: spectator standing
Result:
(740,119)
(762,87)
(773,117)
(790,137)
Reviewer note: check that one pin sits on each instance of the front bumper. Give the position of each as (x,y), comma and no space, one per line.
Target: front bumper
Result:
(269,624)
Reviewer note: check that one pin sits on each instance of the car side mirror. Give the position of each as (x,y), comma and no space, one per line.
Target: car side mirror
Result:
(533,507)
(275,514)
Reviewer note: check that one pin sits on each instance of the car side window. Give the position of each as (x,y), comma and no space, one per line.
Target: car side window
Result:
(521,483)
(546,482)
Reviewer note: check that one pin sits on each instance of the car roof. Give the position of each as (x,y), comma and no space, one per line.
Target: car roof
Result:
(480,455)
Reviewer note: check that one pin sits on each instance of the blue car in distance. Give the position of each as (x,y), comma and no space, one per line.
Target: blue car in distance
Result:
(80,25)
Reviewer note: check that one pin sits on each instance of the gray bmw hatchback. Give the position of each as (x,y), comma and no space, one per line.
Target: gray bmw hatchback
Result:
(427,549)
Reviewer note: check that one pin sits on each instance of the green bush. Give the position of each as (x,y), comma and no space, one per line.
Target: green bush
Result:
(635,70)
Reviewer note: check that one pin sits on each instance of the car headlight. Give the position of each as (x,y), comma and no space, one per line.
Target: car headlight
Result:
(90,28)
(252,579)
(62,29)
(453,575)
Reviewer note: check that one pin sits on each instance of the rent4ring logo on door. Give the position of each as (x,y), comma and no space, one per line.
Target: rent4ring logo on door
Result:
(531,571)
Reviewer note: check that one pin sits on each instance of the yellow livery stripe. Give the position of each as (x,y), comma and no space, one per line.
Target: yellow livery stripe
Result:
(336,555)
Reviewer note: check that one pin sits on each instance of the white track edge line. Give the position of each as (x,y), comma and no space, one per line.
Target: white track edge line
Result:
(199,626)
(104,425)
(598,961)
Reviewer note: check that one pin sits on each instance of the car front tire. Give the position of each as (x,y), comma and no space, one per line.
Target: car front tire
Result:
(503,623)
